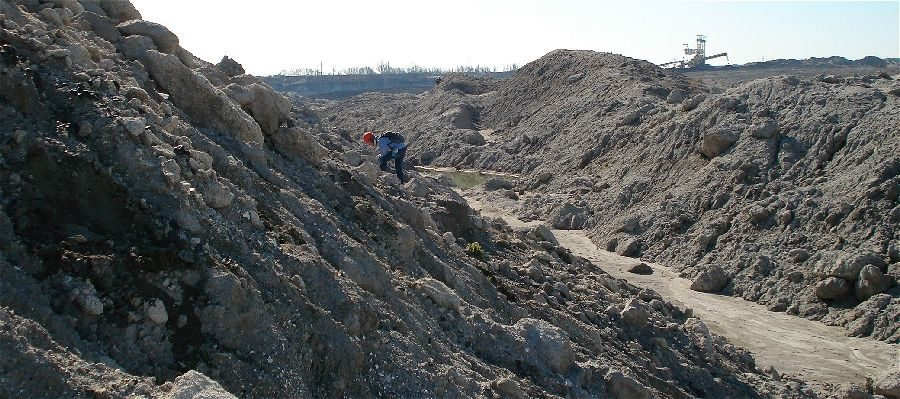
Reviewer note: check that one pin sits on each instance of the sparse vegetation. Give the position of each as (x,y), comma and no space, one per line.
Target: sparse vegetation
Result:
(474,250)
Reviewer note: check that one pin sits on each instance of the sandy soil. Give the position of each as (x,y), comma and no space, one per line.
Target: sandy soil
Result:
(805,349)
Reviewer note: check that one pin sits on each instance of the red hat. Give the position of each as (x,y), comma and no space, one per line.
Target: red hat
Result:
(369,138)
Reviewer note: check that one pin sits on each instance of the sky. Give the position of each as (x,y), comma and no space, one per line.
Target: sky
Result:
(270,36)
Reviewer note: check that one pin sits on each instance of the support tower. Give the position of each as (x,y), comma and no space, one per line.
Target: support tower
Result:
(697,56)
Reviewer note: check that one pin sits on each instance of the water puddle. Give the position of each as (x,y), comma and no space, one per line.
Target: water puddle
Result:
(464,179)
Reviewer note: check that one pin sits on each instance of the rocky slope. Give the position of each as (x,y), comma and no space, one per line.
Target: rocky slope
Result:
(781,190)
(171,228)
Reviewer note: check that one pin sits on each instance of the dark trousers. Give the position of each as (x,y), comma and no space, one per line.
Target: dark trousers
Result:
(398,162)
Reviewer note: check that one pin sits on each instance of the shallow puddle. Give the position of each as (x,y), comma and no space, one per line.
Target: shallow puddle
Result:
(463,179)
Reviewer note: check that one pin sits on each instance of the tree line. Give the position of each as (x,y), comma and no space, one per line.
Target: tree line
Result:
(385,68)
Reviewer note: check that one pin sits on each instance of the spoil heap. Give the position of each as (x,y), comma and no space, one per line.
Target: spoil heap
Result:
(780,190)
(171,228)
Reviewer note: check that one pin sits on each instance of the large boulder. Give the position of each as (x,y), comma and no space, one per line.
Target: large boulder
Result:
(268,108)
(547,345)
(542,233)
(206,105)
(52,15)
(117,10)
(716,142)
(442,295)
(629,247)
(102,26)
(832,288)
(568,217)
(871,282)
(847,265)
(473,138)
(621,386)
(240,94)
(798,255)
(713,279)
(635,313)
(296,143)
(641,268)
(462,116)
(136,46)
(676,96)
(165,40)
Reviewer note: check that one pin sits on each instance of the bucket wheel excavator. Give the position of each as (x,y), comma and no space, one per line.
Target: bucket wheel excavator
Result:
(698,56)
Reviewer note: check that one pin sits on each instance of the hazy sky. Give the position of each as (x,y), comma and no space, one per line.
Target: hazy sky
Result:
(268,36)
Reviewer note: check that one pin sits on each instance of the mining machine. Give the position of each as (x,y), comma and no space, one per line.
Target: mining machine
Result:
(698,54)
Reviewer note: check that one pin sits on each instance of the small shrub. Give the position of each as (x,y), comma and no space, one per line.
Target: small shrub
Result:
(474,250)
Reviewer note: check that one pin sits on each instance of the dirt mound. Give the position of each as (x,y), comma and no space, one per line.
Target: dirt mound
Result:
(870,61)
(766,180)
(580,86)
(720,78)
(168,223)
(778,181)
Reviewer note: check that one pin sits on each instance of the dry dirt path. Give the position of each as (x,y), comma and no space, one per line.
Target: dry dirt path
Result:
(805,349)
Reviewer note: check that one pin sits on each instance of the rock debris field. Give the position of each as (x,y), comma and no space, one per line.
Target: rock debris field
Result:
(811,351)
(781,190)
(174,228)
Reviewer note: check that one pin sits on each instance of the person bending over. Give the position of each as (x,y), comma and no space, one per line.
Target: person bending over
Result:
(390,145)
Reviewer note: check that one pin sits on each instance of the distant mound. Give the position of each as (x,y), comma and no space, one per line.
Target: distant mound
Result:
(870,61)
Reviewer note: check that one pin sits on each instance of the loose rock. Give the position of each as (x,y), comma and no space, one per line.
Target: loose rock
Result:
(156,312)
(635,313)
(832,288)
(871,282)
(629,247)
(622,386)
(440,293)
(641,268)
(717,142)
(549,344)
(713,279)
